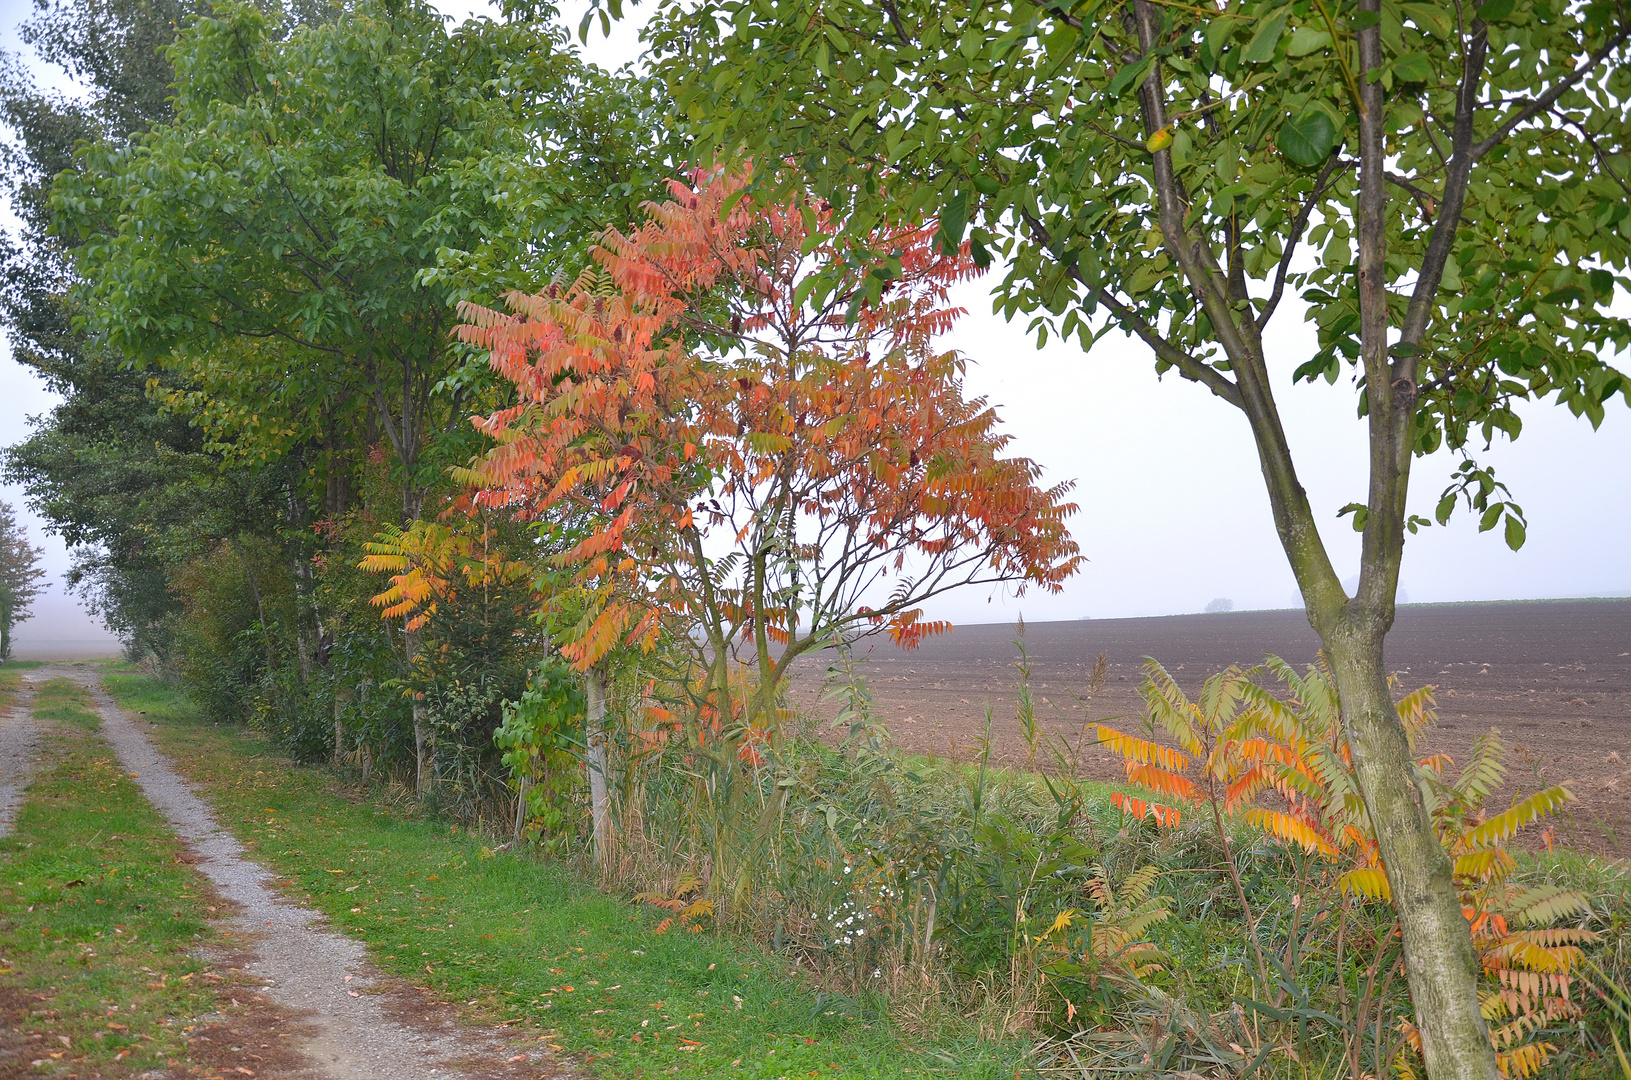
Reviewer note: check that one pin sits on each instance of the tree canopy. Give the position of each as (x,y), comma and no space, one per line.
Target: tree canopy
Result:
(295,238)
(20,574)
(1442,188)
(746,468)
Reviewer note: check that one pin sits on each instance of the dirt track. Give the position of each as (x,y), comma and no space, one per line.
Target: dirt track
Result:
(1554,677)
(349,1021)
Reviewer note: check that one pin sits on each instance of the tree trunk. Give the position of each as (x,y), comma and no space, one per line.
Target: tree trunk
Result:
(421,746)
(521,807)
(600,804)
(421,724)
(1440,964)
(1439,958)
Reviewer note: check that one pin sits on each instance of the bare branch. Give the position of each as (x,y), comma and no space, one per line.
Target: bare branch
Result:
(1428,204)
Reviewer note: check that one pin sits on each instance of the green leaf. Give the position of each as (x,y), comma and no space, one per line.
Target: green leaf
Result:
(1491,516)
(1260,48)
(1413,67)
(1515,533)
(1307,39)
(1495,11)
(1568,294)
(1360,512)
(953,220)
(730,202)
(1127,76)
(1218,32)
(1308,138)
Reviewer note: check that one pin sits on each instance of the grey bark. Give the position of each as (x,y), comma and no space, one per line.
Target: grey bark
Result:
(600,804)
(421,720)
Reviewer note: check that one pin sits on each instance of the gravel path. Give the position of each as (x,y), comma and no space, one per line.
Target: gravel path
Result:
(18,741)
(321,976)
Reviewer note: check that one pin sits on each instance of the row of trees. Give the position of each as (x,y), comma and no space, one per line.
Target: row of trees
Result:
(240,259)
(249,292)
(264,266)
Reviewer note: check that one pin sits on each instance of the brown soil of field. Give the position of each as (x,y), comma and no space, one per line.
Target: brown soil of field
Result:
(1554,677)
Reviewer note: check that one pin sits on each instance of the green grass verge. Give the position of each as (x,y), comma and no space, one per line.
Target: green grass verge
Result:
(64,701)
(98,914)
(517,938)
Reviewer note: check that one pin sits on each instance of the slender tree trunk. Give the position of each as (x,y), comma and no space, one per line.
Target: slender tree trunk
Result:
(600,803)
(1439,958)
(339,729)
(1440,964)
(421,721)
(521,806)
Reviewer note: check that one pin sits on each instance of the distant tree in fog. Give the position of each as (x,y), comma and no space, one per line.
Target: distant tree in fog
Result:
(20,575)
(1222,603)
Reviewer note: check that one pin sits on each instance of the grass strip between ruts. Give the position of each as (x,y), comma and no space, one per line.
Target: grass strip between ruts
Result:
(98,913)
(519,939)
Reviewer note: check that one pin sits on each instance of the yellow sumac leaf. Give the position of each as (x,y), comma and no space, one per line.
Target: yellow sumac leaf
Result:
(1367,881)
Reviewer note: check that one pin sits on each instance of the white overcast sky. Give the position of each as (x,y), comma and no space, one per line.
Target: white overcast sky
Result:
(1173,508)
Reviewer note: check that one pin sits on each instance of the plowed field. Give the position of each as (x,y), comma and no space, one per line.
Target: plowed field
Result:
(1554,677)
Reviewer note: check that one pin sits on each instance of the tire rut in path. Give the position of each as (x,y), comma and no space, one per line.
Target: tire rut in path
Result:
(352,1034)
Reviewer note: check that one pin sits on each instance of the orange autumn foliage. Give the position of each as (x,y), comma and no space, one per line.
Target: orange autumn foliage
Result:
(430,561)
(1239,744)
(756,442)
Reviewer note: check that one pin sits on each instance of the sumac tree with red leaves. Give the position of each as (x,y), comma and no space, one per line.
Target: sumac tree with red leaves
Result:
(762,468)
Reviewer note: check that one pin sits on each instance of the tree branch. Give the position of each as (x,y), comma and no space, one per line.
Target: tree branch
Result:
(1544,103)
(1448,220)
(1303,214)
(1428,205)
(1190,367)
(1597,151)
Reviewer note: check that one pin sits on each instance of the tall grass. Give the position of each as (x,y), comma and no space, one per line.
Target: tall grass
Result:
(1021,903)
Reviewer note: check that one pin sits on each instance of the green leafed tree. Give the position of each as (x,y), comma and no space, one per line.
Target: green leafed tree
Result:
(126,484)
(20,574)
(294,240)
(1442,187)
